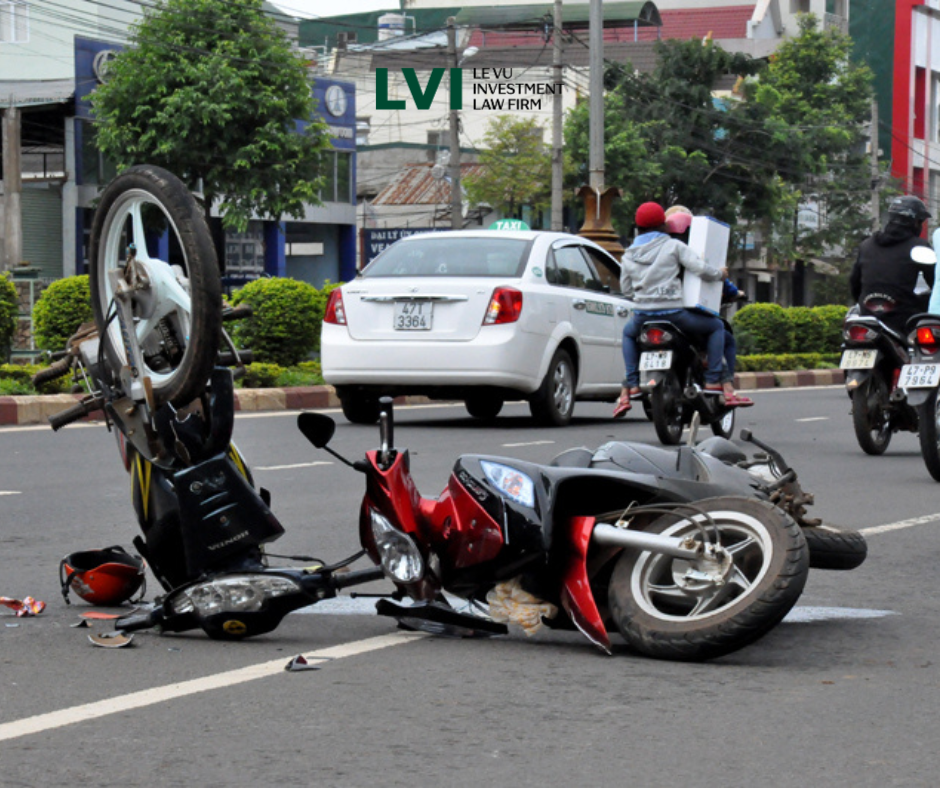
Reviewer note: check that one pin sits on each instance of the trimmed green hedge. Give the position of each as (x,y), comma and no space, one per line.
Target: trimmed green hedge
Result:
(285,324)
(60,310)
(770,329)
(16,379)
(767,362)
(9,308)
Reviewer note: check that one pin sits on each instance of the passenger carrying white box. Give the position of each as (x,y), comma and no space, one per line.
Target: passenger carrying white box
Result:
(708,238)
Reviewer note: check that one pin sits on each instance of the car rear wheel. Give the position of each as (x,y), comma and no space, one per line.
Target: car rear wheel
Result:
(553,403)
(483,406)
(360,408)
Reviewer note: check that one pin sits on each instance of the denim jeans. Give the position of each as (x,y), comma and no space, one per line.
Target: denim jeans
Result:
(693,323)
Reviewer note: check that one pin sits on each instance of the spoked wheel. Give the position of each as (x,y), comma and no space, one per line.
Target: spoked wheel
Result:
(870,416)
(930,434)
(724,427)
(151,250)
(668,410)
(671,608)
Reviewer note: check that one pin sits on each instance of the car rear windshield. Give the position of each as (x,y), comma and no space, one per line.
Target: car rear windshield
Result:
(442,256)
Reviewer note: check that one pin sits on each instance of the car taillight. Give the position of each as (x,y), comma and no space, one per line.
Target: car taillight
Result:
(859,334)
(655,336)
(335,312)
(505,306)
(927,339)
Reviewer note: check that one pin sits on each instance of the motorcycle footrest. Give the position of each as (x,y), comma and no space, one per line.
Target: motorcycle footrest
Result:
(439,619)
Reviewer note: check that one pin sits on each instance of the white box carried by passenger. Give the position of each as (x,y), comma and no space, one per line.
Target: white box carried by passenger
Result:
(708,238)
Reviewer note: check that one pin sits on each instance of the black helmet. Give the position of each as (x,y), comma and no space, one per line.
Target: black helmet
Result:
(907,209)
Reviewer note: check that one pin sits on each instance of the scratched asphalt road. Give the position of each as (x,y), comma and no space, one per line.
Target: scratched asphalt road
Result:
(842,693)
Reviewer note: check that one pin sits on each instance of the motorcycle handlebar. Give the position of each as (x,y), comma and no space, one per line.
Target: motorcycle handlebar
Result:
(776,456)
(56,370)
(76,412)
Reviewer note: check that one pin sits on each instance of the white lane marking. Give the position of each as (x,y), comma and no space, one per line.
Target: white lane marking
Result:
(813,418)
(527,443)
(135,700)
(341,606)
(10,492)
(803,614)
(288,467)
(880,529)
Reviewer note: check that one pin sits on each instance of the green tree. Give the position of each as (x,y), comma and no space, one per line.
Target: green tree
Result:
(814,104)
(516,167)
(211,91)
(60,310)
(672,143)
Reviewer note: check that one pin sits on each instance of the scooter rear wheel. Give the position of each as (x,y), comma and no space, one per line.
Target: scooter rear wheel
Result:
(671,608)
(668,410)
(177,311)
(870,416)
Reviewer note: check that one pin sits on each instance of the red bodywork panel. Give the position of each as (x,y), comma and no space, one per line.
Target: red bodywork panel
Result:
(454,527)
(576,593)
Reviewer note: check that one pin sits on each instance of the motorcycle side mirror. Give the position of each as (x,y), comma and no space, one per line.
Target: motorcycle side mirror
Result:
(316,428)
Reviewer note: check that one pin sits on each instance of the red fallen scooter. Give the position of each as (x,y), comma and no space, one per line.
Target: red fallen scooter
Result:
(574,545)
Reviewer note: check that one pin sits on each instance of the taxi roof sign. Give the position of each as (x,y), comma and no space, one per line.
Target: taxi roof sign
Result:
(509,224)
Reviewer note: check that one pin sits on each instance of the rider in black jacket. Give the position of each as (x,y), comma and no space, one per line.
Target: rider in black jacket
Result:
(885,275)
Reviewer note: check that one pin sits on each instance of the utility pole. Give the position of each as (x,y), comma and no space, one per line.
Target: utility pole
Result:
(557,154)
(456,208)
(596,105)
(12,189)
(875,169)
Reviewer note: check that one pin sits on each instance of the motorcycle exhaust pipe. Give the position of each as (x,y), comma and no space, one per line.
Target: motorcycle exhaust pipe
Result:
(609,535)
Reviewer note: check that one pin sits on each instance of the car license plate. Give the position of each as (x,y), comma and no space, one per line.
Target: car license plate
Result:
(858,359)
(655,359)
(413,315)
(919,376)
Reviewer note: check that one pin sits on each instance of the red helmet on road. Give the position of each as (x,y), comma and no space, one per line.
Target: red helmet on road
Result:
(102,577)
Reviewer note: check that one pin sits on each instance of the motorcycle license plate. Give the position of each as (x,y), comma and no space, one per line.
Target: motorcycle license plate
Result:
(919,376)
(655,359)
(858,359)
(413,315)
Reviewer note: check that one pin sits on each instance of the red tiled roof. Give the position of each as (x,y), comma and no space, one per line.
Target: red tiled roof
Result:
(415,186)
(682,23)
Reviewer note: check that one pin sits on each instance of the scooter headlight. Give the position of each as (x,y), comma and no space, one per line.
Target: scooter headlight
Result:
(231,594)
(399,555)
(512,483)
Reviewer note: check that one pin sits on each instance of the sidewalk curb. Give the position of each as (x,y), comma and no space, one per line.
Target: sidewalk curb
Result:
(37,409)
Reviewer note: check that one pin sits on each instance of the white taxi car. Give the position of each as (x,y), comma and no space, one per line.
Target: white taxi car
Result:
(482,316)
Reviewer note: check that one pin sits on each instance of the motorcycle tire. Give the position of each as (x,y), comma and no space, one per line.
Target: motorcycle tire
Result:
(667,410)
(870,417)
(181,347)
(665,611)
(724,427)
(834,548)
(930,434)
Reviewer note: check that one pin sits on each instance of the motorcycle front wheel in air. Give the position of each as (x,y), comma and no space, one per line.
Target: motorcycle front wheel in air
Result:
(672,608)
(147,214)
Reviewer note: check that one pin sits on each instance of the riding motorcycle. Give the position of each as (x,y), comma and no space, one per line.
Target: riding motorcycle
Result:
(872,357)
(686,554)
(920,380)
(672,372)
